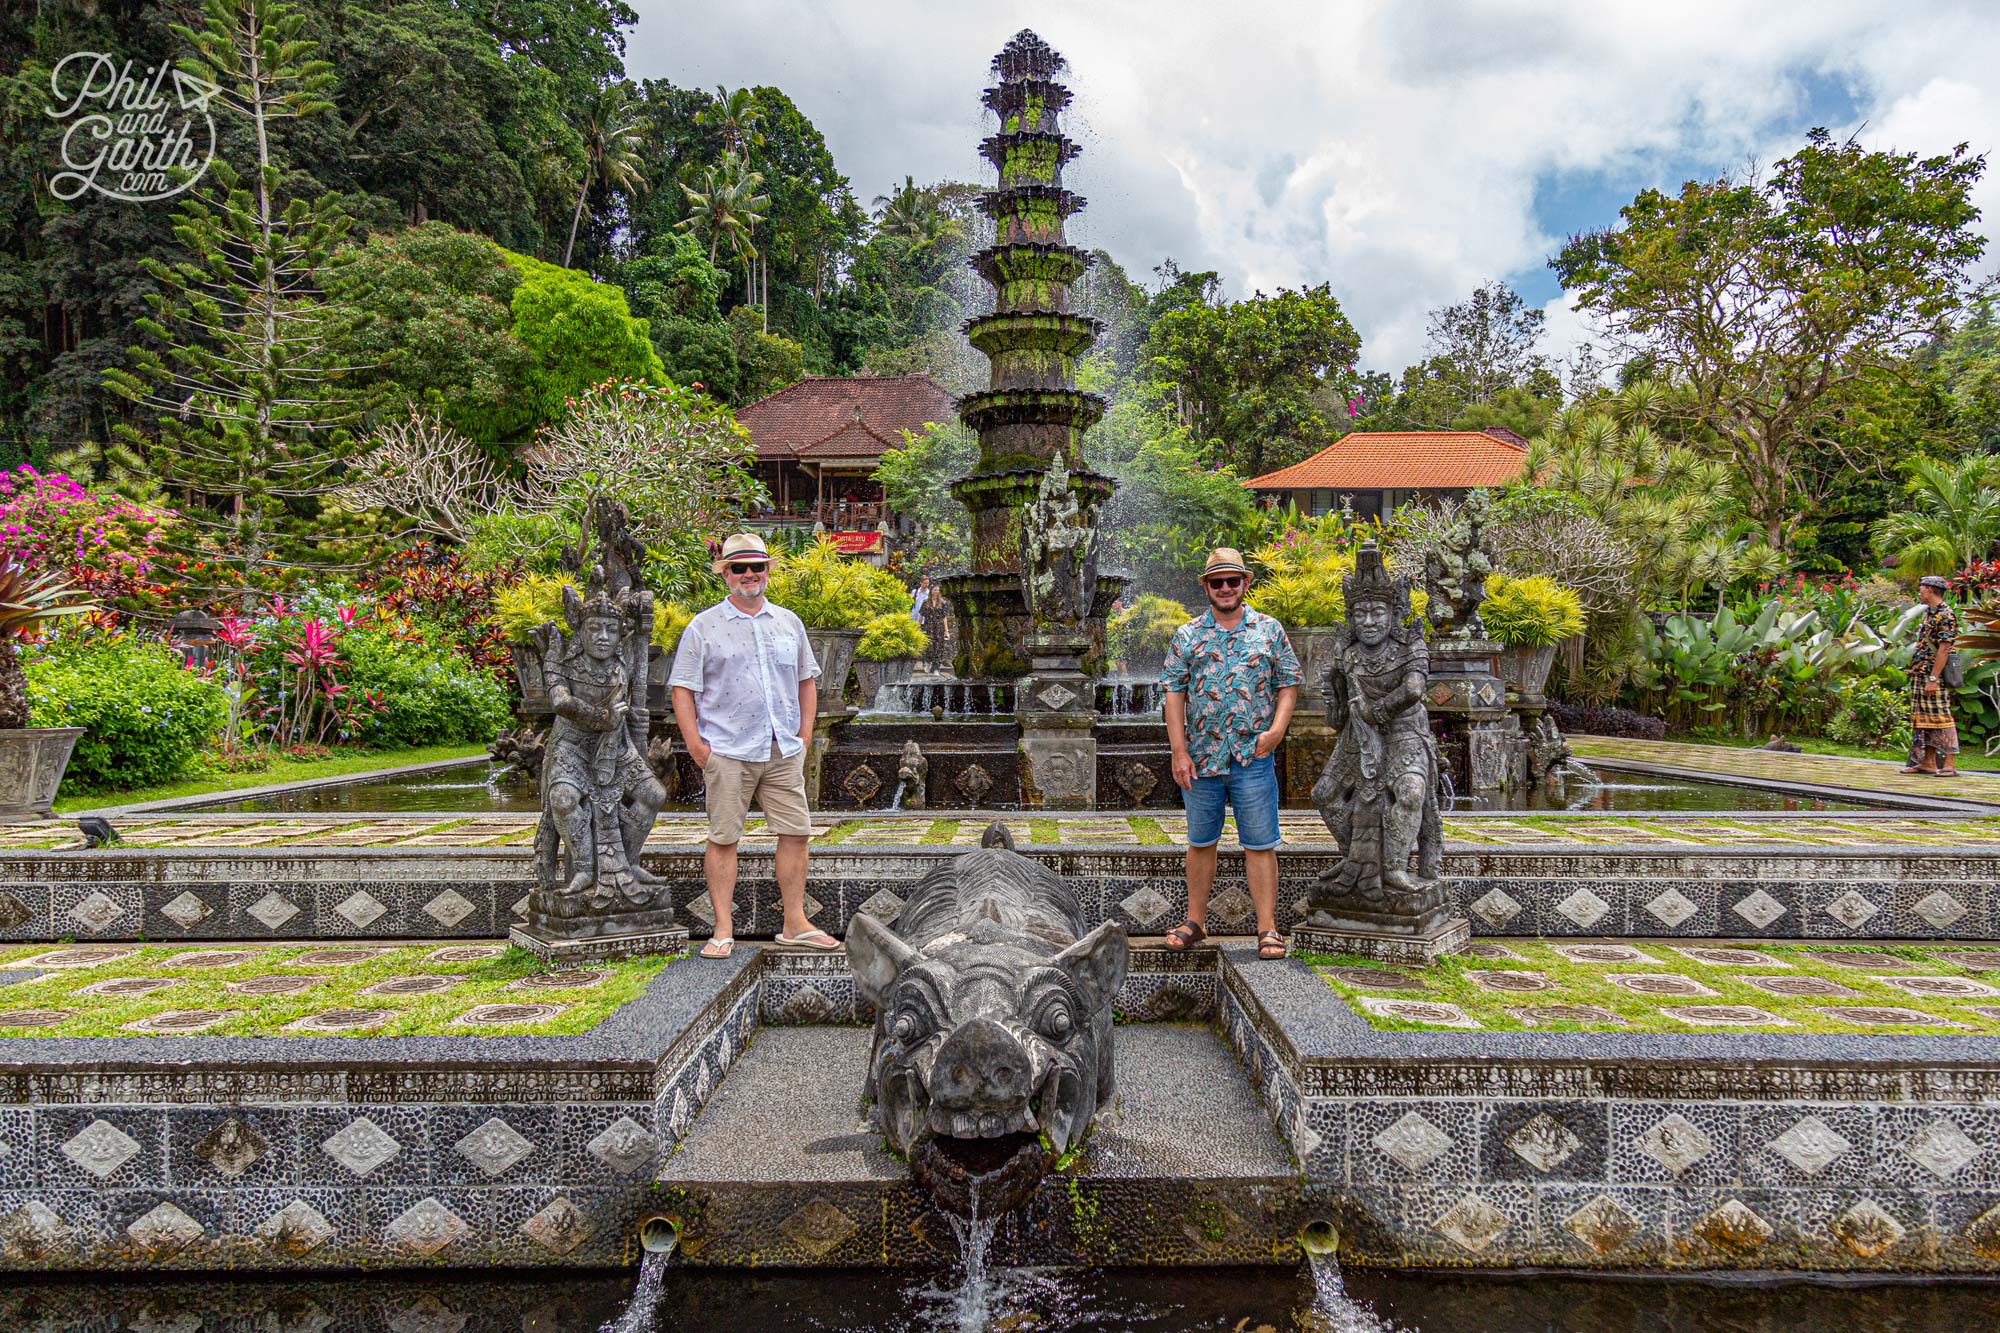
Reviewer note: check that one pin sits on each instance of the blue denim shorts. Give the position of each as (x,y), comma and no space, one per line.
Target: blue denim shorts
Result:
(1251,790)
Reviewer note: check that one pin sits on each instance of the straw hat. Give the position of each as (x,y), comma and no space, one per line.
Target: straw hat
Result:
(1224,560)
(742,547)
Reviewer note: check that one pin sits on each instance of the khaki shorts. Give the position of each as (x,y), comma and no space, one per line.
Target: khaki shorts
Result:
(777,786)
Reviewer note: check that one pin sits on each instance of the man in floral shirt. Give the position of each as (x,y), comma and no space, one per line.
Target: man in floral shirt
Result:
(1231,680)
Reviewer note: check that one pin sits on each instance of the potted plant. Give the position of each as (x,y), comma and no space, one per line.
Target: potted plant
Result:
(887,653)
(1528,618)
(836,597)
(32,759)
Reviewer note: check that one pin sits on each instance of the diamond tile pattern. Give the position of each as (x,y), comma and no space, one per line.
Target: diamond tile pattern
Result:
(1147,906)
(361,909)
(1544,1143)
(1939,908)
(624,1145)
(495,1147)
(449,908)
(1867,1229)
(1413,1141)
(273,910)
(100,1148)
(295,1230)
(1583,907)
(232,1147)
(1676,1143)
(362,1146)
(1852,910)
(427,1227)
(1672,907)
(164,1231)
(96,911)
(1760,909)
(1602,1224)
(1472,1224)
(558,1228)
(1495,908)
(1810,1145)
(1941,1148)
(187,911)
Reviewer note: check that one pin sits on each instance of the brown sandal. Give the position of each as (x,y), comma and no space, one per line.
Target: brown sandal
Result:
(1270,945)
(1186,935)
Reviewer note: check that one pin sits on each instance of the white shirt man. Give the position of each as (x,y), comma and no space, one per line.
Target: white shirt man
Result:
(745,692)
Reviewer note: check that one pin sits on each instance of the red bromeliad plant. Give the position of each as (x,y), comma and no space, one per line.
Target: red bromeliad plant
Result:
(27,602)
(425,584)
(294,670)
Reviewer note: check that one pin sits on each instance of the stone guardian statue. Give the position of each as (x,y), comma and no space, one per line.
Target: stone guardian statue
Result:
(1378,792)
(600,796)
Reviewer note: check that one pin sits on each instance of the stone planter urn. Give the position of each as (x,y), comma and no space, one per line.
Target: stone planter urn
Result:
(870,677)
(833,649)
(32,760)
(1312,643)
(1525,672)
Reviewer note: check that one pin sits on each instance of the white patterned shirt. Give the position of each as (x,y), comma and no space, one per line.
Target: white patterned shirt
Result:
(744,672)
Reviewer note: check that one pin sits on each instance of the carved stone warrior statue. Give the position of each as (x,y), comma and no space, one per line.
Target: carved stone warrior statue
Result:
(1378,793)
(599,793)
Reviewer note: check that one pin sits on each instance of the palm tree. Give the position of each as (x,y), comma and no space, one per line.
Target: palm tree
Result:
(907,212)
(726,206)
(612,129)
(1954,521)
(734,116)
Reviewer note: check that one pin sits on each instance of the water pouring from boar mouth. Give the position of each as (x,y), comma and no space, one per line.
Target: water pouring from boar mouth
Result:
(992,1049)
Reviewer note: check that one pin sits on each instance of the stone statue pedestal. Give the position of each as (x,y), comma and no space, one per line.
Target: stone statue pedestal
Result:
(600,936)
(1447,936)
(1056,707)
(1480,742)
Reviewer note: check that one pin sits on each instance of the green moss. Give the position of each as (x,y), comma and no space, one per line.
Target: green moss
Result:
(268,1015)
(1148,831)
(940,833)
(1044,831)
(840,832)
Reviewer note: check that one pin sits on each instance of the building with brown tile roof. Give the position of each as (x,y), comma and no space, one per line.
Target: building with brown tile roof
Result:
(818,441)
(1374,471)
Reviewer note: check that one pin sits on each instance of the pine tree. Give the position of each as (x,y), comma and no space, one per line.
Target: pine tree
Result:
(252,427)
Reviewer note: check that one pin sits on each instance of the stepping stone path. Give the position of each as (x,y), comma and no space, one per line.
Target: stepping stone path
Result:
(1725,1015)
(1375,978)
(1488,949)
(33,1018)
(272,985)
(1985,1010)
(127,986)
(341,1020)
(1657,983)
(1434,1013)
(420,985)
(578,979)
(509,1013)
(80,957)
(1732,957)
(336,957)
(468,953)
(1511,981)
(210,958)
(1944,987)
(180,1020)
(1972,960)
(1862,960)
(1603,953)
(1882,1015)
(1798,985)
(1565,1013)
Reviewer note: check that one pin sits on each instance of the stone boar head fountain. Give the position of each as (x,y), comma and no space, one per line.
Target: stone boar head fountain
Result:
(992,1049)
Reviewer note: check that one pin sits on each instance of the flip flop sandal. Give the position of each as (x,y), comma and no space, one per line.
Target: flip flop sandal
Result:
(1186,935)
(1267,942)
(810,939)
(719,948)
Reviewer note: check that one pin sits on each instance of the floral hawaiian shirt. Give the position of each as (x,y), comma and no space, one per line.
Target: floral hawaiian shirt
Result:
(1231,678)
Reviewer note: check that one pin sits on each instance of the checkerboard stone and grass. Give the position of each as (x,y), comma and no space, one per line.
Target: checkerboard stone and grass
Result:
(1523,985)
(1166,828)
(306,990)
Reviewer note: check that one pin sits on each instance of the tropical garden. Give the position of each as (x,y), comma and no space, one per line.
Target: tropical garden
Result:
(291,461)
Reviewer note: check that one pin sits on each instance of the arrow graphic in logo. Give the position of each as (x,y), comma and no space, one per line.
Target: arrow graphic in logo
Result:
(194,93)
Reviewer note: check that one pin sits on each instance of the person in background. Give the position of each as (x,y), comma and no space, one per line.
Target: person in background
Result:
(919,597)
(1933,732)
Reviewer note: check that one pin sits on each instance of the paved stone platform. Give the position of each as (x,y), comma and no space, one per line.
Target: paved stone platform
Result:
(1819,770)
(782,1169)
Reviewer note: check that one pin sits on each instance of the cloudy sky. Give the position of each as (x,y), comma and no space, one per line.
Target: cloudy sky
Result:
(1402,150)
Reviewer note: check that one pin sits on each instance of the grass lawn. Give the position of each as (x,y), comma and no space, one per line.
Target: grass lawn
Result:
(1969,756)
(1548,988)
(281,770)
(318,977)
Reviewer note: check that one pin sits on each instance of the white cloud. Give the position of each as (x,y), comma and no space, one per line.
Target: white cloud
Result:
(1394,150)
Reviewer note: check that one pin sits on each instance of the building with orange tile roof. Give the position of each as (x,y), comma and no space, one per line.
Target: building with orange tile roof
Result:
(1372,472)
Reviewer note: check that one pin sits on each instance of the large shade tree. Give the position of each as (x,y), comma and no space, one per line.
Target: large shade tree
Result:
(1775,303)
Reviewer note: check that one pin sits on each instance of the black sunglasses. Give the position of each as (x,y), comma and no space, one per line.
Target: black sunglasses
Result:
(747,567)
(1226,581)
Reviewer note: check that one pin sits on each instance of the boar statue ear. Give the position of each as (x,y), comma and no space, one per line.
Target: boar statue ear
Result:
(876,957)
(1097,963)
